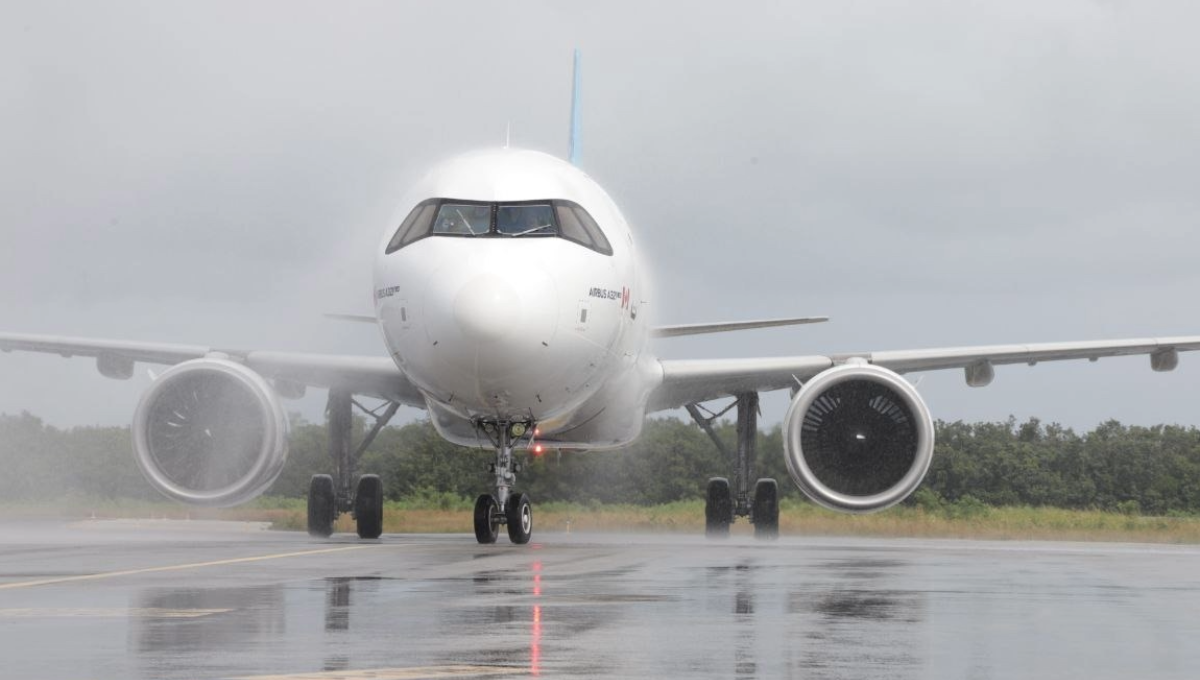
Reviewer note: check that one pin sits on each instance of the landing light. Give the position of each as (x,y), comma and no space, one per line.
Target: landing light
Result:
(518,429)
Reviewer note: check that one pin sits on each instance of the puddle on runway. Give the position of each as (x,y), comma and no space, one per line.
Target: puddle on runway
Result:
(711,611)
(738,617)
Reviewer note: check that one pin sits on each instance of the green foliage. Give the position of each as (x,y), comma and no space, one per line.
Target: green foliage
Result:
(40,462)
(967,507)
(1129,507)
(428,498)
(1128,470)
(1131,470)
(926,499)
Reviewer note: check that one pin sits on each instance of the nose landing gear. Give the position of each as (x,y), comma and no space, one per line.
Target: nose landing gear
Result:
(487,519)
(513,510)
(519,516)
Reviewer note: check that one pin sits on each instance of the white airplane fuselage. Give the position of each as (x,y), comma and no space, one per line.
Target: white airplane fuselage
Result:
(519,325)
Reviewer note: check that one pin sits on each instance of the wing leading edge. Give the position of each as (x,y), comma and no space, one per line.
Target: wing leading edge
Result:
(691,381)
(684,381)
(724,327)
(365,375)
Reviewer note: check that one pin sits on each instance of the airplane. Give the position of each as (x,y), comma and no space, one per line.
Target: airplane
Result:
(511,299)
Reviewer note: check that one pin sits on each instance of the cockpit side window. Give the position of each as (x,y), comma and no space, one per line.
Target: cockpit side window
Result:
(416,226)
(525,219)
(575,224)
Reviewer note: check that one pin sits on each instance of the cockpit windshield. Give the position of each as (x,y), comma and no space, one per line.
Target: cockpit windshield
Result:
(525,219)
(462,219)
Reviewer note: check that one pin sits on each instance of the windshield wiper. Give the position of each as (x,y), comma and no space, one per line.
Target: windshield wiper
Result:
(466,222)
(530,231)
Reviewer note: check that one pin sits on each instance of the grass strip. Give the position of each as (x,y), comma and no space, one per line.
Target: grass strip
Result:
(972,521)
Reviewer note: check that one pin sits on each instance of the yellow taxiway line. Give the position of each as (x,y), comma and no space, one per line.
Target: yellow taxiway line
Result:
(97,613)
(179,567)
(414,673)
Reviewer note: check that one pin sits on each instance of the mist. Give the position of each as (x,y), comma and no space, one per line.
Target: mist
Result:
(933,174)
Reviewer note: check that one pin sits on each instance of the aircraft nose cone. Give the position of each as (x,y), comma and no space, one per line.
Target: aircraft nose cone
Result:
(487,308)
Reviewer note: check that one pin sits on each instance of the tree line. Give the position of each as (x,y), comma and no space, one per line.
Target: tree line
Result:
(1132,469)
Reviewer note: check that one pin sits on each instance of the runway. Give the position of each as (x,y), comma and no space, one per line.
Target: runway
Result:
(200,601)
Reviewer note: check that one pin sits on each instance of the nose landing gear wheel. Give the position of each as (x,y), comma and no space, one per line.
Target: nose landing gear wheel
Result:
(368,506)
(519,514)
(487,525)
(718,508)
(322,506)
(765,510)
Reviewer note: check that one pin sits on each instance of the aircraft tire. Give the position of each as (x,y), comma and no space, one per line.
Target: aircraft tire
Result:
(368,506)
(519,514)
(764,512)
(718,508)
(487,528)
(322,506)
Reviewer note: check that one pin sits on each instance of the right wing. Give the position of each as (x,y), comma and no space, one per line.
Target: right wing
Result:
(365,375)
(691,381)
(695,380)
(722,327)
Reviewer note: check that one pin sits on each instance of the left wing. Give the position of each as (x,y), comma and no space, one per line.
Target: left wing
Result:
(365,375)
(691,381)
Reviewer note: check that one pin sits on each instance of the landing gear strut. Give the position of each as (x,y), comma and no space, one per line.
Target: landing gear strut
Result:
(513,510)
(331,495)
(723,504)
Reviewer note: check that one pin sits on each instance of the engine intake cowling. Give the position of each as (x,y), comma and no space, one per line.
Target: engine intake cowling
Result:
(210,432)
(858,438)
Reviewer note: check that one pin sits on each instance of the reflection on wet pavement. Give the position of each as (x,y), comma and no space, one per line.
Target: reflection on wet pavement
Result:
(248,617)
(623,607)
(337,604)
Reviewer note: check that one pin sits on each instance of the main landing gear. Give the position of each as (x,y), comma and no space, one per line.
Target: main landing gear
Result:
(512,510)
(331,495)
(724,504)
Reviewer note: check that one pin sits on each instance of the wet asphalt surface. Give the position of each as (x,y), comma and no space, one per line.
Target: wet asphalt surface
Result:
(197,601)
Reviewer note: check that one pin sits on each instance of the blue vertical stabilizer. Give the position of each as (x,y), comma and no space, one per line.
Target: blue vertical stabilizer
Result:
(573,147)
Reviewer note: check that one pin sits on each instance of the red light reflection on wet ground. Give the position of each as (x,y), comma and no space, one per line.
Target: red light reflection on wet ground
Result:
(535,642)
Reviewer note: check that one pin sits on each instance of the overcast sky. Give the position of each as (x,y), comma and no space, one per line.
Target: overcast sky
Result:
(926,173)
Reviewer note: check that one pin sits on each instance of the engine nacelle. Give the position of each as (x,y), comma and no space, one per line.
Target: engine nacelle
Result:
(858,438)
(210,432)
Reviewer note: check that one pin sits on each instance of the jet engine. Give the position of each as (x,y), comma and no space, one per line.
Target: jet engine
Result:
(858,438)
(210,432)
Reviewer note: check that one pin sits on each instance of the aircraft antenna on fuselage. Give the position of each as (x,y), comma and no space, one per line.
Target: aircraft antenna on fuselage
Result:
(573,148)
